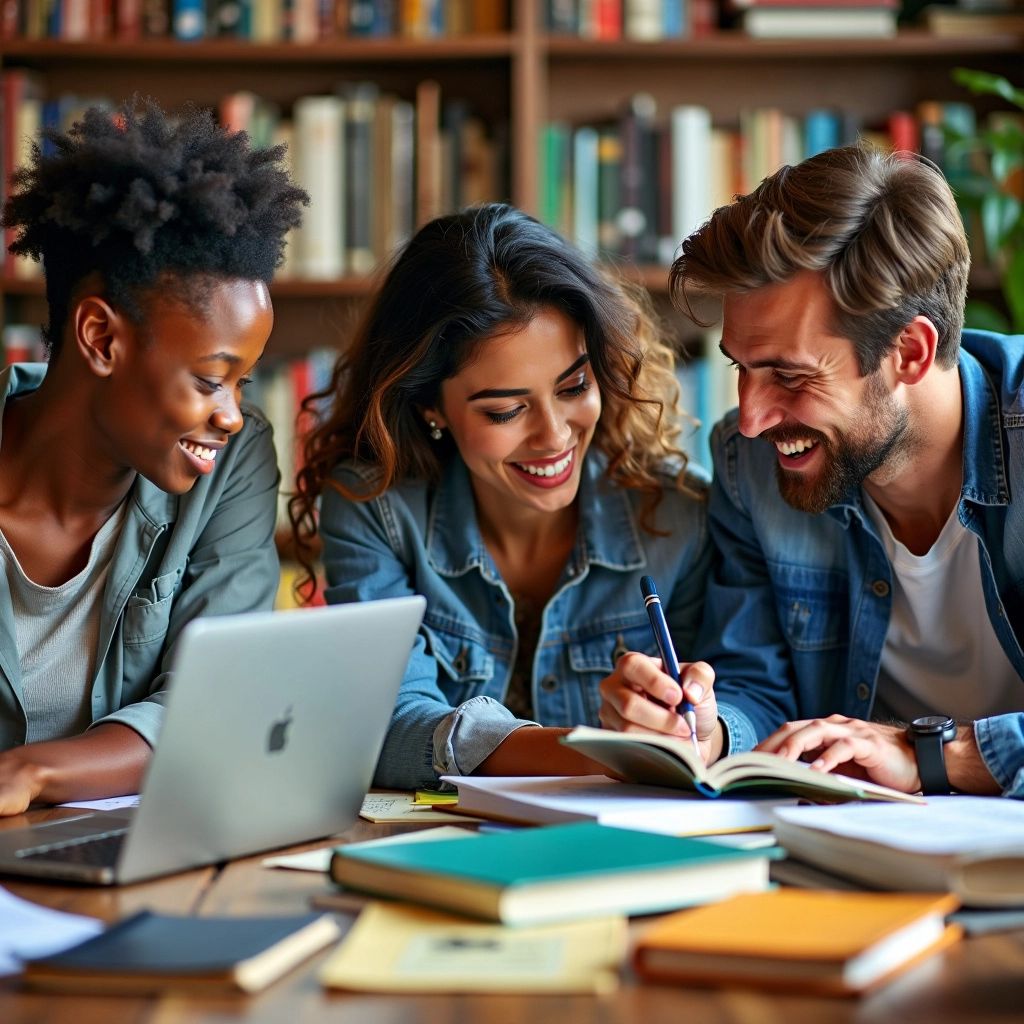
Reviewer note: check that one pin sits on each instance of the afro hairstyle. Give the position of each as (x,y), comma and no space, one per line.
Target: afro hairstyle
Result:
(138,197)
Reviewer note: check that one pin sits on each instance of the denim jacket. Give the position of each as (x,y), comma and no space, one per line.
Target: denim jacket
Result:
(415,538)
(798,605)
(208,552)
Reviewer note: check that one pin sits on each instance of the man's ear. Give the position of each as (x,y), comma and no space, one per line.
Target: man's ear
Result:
(98,332)
(915,350)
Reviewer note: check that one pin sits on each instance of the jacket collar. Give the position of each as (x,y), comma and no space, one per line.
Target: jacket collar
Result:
(985,473)
(607,533)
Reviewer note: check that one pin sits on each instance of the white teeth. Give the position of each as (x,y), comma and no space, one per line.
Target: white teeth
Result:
(794,447)
(551,469)
(206,454)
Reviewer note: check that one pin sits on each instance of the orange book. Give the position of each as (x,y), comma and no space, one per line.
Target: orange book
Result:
(831,943)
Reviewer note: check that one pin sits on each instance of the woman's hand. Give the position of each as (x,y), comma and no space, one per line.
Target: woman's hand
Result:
(639,697)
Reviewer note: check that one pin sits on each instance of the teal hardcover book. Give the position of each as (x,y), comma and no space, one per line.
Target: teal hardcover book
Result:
(555,873)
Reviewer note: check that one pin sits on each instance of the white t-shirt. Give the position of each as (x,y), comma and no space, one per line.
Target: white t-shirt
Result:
(941,654)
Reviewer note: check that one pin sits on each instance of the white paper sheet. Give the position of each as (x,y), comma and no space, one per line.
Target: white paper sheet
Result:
(944,825)
(553,799)
(29,930)
(110,803)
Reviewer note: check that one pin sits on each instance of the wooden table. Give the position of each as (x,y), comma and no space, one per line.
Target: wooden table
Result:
(978,980)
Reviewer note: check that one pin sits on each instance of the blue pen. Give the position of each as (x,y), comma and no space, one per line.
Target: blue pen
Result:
(668,655)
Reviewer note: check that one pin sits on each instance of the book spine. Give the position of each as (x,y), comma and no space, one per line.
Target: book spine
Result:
(320,167)
(609,189)
(188,19)
(361,194)
(585,190)
(691,157)
(428,151)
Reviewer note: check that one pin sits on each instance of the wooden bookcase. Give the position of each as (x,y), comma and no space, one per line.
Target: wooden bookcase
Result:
(522,76)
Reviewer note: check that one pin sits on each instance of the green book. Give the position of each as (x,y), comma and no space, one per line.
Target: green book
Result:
(556,873)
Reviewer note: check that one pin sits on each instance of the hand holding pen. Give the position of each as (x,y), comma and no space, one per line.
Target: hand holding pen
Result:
(669,661)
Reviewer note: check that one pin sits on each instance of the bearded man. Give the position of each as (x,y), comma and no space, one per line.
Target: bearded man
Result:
(865,611)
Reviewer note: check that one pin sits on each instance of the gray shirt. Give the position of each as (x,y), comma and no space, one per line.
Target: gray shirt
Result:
(208,552)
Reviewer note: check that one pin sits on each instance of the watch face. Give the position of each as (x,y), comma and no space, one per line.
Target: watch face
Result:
(932,723)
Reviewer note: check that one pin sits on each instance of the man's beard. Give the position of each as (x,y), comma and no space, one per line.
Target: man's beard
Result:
(848,459)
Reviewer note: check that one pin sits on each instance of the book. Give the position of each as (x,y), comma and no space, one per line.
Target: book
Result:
(543,800)
(657,760)
(150,952)
(319,127)
(875,22)
(393,948)
(833,943)
(957,22)
(556,873)
(970,846)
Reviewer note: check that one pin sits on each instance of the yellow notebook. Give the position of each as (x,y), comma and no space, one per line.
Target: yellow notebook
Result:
(839,943)
(395,948)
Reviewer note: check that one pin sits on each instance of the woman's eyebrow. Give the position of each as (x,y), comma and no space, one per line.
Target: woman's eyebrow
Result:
(517,392)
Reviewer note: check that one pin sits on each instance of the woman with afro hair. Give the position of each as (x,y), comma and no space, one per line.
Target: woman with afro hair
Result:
(137,490)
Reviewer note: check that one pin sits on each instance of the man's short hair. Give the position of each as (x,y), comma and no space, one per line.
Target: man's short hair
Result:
(882,229)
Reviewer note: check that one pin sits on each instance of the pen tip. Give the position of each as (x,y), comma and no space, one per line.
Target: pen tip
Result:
(647,587)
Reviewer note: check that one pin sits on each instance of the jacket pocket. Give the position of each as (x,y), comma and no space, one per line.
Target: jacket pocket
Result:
(148,612)
(465,667)
(598,651)
(812,606)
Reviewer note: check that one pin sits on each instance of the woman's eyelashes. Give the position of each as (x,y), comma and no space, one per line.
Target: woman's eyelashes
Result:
(580,388)
(211,387)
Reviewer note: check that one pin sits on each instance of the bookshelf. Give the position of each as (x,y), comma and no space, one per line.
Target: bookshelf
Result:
(517,81)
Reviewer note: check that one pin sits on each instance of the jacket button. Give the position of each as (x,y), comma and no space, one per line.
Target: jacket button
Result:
(461,662)
(880,588)
(863,691)
(549,683)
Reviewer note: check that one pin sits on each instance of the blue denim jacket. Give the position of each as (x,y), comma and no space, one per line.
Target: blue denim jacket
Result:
(798,605)
(419,539)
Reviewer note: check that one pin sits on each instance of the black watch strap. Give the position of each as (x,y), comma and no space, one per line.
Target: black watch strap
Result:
(931,763)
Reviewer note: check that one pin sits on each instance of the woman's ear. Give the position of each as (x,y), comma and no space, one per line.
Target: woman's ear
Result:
(98,333)
(434,419)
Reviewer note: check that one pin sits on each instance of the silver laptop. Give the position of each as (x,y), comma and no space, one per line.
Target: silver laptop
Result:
(273,727)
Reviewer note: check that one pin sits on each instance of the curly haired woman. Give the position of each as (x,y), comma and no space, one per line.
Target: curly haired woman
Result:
(501,440)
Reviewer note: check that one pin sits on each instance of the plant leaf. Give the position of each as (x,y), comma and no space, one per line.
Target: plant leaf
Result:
(983,316)
(999,214)
(981,82)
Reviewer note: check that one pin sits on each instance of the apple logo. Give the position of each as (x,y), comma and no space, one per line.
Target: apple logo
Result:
(278,735)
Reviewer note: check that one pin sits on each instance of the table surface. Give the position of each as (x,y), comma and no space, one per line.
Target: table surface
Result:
(979,979)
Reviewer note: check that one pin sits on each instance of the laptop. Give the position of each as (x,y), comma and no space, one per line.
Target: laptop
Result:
(273,727)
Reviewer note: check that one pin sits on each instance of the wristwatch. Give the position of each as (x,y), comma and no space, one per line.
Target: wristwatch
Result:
(929,735)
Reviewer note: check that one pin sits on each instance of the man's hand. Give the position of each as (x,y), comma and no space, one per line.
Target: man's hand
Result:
(881,753)
(639,697)
(848,746)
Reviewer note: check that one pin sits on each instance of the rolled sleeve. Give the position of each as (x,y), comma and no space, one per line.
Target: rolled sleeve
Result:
(145,717)
(1001,743)
(466,737)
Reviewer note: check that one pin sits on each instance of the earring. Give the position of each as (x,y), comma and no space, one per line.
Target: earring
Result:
(435,430)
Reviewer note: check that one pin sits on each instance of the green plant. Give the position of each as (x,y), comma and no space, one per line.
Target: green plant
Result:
(993,186)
